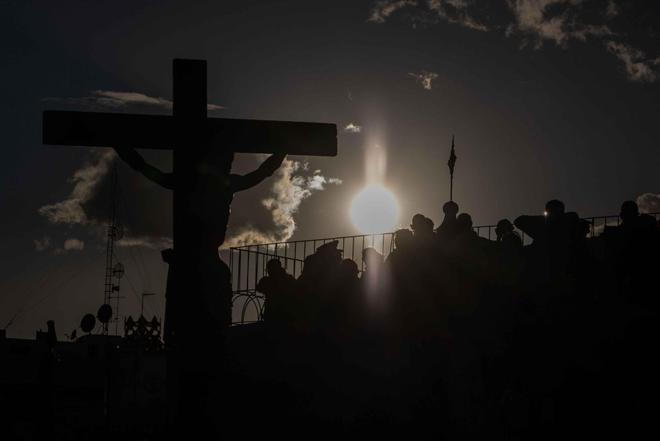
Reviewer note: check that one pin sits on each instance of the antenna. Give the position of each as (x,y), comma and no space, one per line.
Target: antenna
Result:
(113,270)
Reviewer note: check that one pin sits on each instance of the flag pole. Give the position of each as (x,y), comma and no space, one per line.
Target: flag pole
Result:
(450,164)
(451,186)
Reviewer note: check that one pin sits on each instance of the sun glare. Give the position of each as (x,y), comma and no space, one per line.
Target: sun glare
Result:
(374,210)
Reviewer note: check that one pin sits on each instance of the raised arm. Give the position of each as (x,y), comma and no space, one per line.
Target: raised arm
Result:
(265,170)
(530,225)
(131,157)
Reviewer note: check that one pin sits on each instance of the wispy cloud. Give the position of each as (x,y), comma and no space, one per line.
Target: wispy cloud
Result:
(288,191)
(70,244)
(73,244)
(452,11)
(42,244)
(552,20)
(88,203)
(87,206)
(353,128)
(424,78)
(381,11)
(637,65)
(85,181)
(112,99)
(457,12)
(649,203)
(152,242)
(612,9)
(537,23)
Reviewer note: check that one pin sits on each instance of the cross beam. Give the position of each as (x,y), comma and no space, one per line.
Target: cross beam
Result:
(158,132)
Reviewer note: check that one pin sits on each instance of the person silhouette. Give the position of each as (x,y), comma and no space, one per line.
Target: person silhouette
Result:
(277,287)
(347,287)
(399,259)
(348,273)
(554,231)
(448,226)
(629,213)
(422,228)
(507,236)
(373,262)
(322,266)
(632,247)
(464,225)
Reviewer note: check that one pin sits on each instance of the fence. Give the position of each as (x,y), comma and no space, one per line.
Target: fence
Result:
(248,263)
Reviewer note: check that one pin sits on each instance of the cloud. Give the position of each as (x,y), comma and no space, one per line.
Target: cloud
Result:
(353,128)
(384,8)
(561,21)
(85,182)
(649,203)
(73,244)
(557,21)
(429,11)
(637,65)
(111,99)
(42,244)
(612,9)
(288,191)
(537,22)
(457,12)
(425,78)
(146,216)
(88,205)
(156,243)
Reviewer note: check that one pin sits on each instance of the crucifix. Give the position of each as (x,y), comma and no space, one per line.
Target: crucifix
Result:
(203,150)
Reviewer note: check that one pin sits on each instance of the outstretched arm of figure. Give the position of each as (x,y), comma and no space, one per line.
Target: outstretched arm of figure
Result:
(131,157)
(265,170)
(530,225)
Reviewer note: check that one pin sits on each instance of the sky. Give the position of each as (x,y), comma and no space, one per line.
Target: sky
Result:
(546,98)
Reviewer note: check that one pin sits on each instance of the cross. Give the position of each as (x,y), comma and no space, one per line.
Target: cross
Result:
(190,134)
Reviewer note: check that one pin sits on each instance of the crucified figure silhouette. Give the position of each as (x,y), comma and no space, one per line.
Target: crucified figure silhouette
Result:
(211,194)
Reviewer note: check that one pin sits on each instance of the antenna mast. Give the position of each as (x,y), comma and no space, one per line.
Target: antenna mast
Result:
(113,270)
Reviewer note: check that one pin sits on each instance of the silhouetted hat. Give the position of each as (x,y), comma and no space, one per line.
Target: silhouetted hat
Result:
(328,247)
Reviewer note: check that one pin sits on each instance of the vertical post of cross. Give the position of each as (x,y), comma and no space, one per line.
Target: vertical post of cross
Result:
(189,111)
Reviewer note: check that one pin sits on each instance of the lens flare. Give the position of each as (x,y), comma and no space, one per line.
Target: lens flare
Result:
(374,210)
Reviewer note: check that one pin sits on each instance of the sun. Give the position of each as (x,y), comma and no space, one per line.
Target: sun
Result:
(374,210)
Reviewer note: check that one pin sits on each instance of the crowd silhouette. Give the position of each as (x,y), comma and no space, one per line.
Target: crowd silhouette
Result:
(466,336)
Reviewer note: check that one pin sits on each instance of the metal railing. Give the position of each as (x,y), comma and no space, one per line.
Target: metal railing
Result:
(248,263)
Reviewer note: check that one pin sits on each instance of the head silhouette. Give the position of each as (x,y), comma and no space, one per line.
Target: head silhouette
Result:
(348,269)
(329,250)
(421,225)
(273,267)
(417,222)
(464,222)
(503,227)
(450,209)
(629,211)
(403,239)
(554,209)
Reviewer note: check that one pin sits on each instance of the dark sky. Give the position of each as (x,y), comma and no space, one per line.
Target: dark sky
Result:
(547,98)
